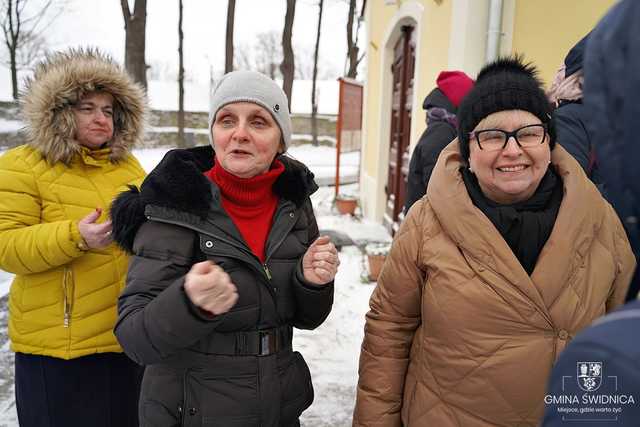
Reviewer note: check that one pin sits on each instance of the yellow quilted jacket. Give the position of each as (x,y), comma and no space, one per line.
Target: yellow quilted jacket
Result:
(63,301)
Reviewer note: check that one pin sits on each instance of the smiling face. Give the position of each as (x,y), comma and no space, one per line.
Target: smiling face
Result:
(94,119)
(512,174)
(245,138)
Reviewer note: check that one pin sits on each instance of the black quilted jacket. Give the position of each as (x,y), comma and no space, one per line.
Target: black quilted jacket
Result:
(209,370)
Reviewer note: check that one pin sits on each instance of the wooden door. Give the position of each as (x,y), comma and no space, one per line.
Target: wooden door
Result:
(402,95)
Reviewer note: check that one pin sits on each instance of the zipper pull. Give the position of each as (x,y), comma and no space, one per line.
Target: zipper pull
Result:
(66,303)
(266,271)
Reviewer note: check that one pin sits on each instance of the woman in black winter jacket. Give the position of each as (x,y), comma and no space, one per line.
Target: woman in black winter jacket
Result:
(227,260)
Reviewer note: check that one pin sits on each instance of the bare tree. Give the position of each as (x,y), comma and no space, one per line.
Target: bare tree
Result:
(228,61)
(135,41)
(242,57)
(287,67)
(268,50)
(314,103)
(265,55)
(181,141)
(162,69)
(21,28)
(304,62)
(33,48)
(352,45)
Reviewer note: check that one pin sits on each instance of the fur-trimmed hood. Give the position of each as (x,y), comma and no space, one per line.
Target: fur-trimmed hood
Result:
(178,183)
(59,82)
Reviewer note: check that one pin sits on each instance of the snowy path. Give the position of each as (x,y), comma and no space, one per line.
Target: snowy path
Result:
(332,350)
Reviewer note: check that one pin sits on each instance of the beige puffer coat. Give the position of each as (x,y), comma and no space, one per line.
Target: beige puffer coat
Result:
(458,334)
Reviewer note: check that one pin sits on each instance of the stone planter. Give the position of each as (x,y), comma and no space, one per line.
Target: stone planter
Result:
(346,205)
(375,265)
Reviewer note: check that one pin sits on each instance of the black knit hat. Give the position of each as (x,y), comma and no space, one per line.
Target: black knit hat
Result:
(506,84)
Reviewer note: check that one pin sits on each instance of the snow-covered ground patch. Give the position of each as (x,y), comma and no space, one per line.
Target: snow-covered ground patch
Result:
(321,160)
(7,126)
(333,349)
(5,282)
(174,129)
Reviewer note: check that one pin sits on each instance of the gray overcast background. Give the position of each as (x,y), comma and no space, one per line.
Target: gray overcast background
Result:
(100,23)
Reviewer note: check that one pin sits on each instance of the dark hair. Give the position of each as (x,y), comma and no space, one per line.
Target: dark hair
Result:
(505,84)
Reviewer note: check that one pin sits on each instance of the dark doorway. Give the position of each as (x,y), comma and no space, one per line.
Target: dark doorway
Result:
(402,69)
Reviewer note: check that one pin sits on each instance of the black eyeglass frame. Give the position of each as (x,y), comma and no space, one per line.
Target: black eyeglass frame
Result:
(509,134)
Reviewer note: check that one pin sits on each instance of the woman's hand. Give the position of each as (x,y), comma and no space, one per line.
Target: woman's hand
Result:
(96,236)
(210,288)
(320,262)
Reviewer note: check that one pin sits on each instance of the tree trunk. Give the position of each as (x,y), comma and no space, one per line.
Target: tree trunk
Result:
(14,73)
(135,40)
(287,67)
(11,30)
(23,30)
(272,71)
(228,63)
(314,101)
(352,48)
(181,141)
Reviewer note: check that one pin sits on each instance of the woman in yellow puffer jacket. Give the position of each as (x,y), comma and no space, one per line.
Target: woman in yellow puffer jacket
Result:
(83,114)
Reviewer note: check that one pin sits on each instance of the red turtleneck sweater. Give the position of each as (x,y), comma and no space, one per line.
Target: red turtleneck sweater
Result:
(250,202)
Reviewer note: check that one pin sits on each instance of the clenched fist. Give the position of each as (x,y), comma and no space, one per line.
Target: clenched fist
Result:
(320,262)
(210,288)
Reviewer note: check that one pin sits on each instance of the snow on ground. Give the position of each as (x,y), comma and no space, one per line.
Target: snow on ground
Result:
(5,282)
(10,125)
(321,160)
(332,350)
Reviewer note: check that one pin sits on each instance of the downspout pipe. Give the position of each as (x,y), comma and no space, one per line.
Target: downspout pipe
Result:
(494,30)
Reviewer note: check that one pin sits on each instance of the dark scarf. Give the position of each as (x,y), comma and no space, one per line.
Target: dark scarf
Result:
(525,226)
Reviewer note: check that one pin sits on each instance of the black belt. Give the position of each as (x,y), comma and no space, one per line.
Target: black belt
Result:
(247,343)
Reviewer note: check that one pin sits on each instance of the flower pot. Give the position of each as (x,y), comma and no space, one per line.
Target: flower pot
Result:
(375,265)
(346,205)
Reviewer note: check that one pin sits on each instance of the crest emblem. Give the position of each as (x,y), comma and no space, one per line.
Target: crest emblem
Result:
(589,375)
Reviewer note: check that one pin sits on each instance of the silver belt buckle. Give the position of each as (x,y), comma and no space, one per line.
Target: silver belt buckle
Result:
(267,343)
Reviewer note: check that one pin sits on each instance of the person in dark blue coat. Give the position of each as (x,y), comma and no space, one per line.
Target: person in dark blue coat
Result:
(441,105)
(611,97)
(601,364)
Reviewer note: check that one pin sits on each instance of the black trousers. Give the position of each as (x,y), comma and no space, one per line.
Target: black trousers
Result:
(99,390)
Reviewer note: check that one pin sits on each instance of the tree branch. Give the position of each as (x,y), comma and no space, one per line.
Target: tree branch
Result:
(126,13)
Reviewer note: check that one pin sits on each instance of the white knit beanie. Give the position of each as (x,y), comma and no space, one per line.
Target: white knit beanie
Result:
(251,86)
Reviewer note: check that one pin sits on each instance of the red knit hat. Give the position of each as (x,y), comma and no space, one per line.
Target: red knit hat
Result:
(454,85)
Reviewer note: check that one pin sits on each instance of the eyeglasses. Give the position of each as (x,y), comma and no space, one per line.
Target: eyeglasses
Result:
(497,139)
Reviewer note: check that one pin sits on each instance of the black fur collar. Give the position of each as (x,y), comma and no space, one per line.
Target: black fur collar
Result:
(178,183)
